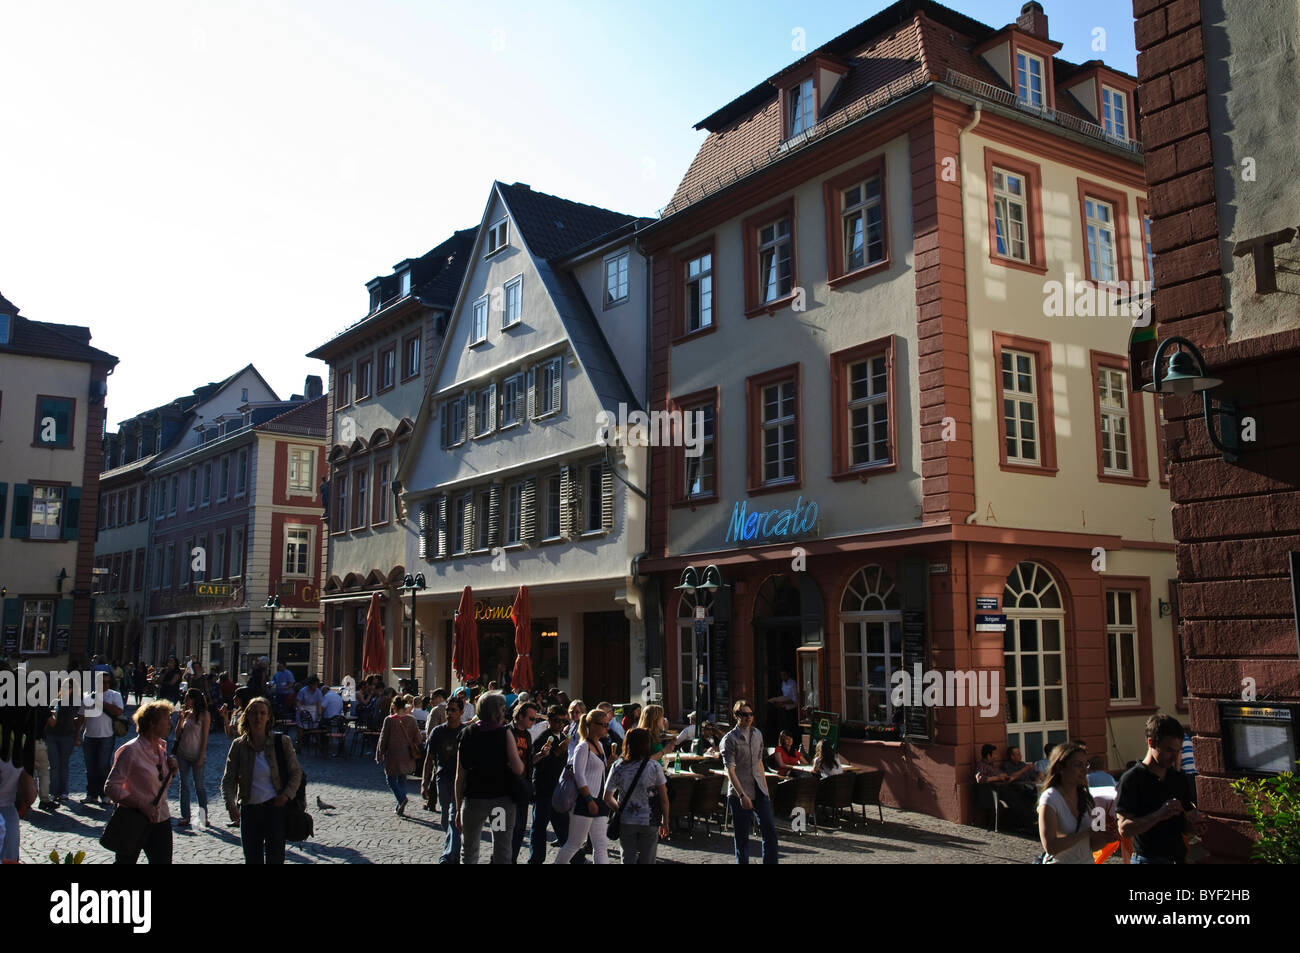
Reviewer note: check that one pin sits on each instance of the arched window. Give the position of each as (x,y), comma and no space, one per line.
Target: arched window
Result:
(1034,652)
(871,645)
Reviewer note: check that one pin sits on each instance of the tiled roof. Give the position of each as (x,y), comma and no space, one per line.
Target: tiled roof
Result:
(65,342)
(552,226)
(452,258)
(901,48)
(303,416)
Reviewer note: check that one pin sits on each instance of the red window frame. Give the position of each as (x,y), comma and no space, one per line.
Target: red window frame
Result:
(840,362)
(754,428)
(775,212)
(1136,417)
(684,404)
(832,192)
(1042,351)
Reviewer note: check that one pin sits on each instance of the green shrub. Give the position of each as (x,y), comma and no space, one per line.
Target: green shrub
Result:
(1274,805)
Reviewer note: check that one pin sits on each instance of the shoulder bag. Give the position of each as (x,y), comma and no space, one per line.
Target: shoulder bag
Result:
(298,824)
(615,823)
(128,828)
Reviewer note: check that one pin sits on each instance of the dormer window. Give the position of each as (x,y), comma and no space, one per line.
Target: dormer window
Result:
(1029,79)
(1114,108)
(6,323)
(376,299)
(406,282)
(799,107)
(498,237)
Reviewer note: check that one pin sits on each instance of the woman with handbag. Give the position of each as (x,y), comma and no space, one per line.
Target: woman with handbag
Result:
(487,754)
(589,811)
(191,753)
(255,788)
(138,784)
(398,750)
(642,790)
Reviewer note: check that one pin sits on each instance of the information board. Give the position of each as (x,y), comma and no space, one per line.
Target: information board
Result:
(916,718)
(720,663)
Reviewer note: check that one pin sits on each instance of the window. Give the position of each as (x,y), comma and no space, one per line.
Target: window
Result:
(461,515)
(207,483)
(38,626)
(363,379)
(175,496)
(47,512)
(452,415)
(513,398)
(383,486)
(126,571)
(344,395)
(387,368)
(485,410)
(169,567)
(498,237)
(1114,108)
(780,432)
(1034,658)
(1010,215)
(595,498)
(130,506)
(241,473)
(1122,646)
(699,292)
(143,510)
(1020,408)
(302,470)
(479,329)
(701,470)
(341,511)
(158,567)
(769,258)
(1099,218)
(193,499)
(223,479)
(55,418)
(217,564)
(547,384)
(1146,249)
(514,303)
(115,574)
(514,513)
(297,544)
(553,487)
(799,107)
(482,524)
(861,379)
(137,581)
(616,279)
(237,551)
(359,481)
(405,282)
(202,544)
(871,625)
(1121,429)
(160,494)
(186,555)
(410,357)
(1029,79)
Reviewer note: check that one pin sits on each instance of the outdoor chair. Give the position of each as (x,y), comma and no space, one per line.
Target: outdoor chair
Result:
(866,791)
(706,802)
(835,794)
(679,799)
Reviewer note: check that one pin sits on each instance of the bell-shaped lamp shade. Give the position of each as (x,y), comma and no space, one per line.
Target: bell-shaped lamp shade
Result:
(1183,377)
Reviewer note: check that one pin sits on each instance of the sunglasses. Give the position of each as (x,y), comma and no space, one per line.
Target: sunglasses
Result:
(744,714)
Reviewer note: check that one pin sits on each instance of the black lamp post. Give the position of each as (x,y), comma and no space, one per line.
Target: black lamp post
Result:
(413,584)
(272,603)
(707,582)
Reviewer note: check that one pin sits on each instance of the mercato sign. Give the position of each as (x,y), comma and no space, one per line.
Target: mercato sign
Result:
(764,525)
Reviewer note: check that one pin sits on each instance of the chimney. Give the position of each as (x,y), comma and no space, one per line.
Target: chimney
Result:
(313,387)
(1033,20)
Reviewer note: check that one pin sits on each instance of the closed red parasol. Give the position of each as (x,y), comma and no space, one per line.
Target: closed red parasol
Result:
(374,659)
(464,651)
(521,679)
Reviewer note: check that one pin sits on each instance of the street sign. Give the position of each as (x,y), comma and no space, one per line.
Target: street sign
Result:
(213,590)
(990,622)
(986,603)
(699,612)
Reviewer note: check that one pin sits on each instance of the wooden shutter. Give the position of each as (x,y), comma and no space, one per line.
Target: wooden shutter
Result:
(471,409)
(528,511)
(557,369)
(467,520)
(441,519)
(492,408)
(532,393)
(494,515)
(20,524)
(4,499)
(521,399)
(606,496)
(576,494)
(566,497)
(445,412)
(424,532)
(72,513)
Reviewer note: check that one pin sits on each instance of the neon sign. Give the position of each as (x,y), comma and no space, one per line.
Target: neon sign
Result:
(764,525)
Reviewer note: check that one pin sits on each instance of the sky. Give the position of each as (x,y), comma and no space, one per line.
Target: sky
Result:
(210,184)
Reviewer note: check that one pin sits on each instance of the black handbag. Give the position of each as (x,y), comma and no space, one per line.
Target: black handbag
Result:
(298,824)
(614,826)
(128,828)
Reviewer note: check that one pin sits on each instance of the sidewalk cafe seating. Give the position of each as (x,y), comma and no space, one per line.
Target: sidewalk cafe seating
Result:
(835,793)
(866,791)
(706,802)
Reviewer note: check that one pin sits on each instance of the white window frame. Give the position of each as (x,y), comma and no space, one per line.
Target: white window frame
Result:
(593,499)
(860,211)
(411,349)
(483,406)
(292,535)
(694,466)
(36,611)
(405,282)
(513,529)
(498,237)
(389,354)
(699,275)
(206,498)
(482,503)
(1005,201)
(545,373)
(158,567)
(241,473)
(1020,398)
(360,498)
(512,304)
(169,566)
(383,489)
(511,404)
(186,555)
(1146,247)
(1114,108)
(876,404)
(1117,633)
(290,483)
(554,489)
(458,544)
(772,247)
(160,488)
(617,278)
(1101,269)
(778,425)
(1024,87)
(478,330)
(50,496)
(192,494)
(1113,407)
(223,478)
(800,108)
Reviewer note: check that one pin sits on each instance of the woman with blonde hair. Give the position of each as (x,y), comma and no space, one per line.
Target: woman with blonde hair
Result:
(1065,809)
(255,789)
(653,721)
(590,813)
(139,779)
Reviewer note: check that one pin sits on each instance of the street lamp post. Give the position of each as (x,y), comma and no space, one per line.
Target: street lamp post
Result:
(693,582)
(413,584)
(272,603)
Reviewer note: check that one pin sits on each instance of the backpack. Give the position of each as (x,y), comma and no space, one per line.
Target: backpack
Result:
(298,824)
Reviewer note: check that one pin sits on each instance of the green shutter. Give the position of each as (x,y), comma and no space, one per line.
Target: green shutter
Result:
(63,612)
(4,499)
(72,513)
(22,511)
(13,614)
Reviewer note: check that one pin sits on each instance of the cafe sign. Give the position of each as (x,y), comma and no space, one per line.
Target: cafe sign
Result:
(213,590)
(486,612)
(769,526)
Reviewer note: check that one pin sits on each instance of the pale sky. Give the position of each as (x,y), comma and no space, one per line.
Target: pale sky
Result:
(210,184)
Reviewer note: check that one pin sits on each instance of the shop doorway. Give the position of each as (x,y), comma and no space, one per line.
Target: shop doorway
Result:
(546,653)
(778,633)
(606,673)
(496,652)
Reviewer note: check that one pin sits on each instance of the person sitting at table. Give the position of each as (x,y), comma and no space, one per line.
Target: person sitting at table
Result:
(1098,776)
(653,721)
(1011,796)
(1019,770)
(826,762)
(616,729)
(709,740)
(331,715)
(786,754)
(687,734)
(1041,765)
(309,702)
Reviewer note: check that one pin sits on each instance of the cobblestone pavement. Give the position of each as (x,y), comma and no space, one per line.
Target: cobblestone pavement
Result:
(362,828)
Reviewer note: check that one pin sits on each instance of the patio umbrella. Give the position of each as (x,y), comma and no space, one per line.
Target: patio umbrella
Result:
(464,650)
(374,657)
(521,679)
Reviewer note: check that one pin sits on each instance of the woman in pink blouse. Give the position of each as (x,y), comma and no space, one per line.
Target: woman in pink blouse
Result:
(141,768)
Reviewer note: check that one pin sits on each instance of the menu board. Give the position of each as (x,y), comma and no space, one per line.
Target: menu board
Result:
(11,640)
(720,663)
(61,635)
(916,718)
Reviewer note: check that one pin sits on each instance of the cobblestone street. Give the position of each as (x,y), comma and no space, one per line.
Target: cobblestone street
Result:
(362,828)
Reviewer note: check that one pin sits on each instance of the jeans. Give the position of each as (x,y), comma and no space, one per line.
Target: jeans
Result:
(499,814)
(397,784)
(157,846)
(9,848)
(521,828)
(744,821)
(59,748)
(1143,859)
(580,826)
(99,759)
(451,841)
(640,842)
(261,831)
(191,768)
(543,814)
(42,770)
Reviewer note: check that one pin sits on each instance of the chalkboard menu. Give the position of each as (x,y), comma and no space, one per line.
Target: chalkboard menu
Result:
(11,640)
(61,639)
(720,663)
(916,718)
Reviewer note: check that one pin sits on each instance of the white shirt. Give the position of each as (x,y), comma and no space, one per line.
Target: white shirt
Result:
(539,729)
(790,689)
(616,726)
(101,725)
(1066,823)
(262,790)
(685,735)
